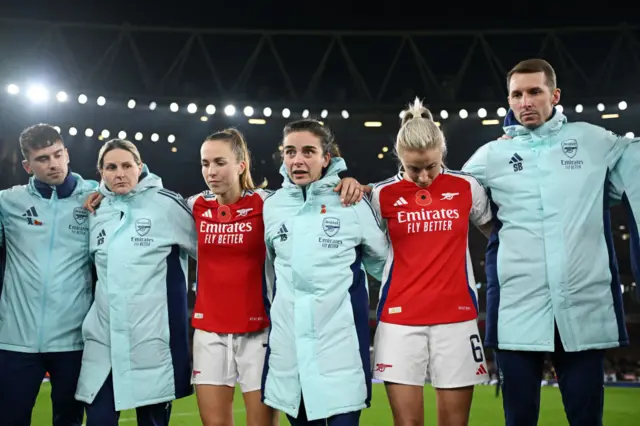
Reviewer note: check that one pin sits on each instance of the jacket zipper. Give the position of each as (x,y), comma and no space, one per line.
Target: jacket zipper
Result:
(54,201)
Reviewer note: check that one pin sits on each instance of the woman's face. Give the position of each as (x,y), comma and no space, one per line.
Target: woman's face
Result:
(421,166)
(303,157)
(220,168)
(120,171)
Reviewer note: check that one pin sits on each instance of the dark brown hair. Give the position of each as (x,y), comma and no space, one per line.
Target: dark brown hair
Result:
(327,140)
(532,66)
(37,137)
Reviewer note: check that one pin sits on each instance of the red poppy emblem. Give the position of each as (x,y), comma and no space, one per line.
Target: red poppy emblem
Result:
(224,214)
(423,198)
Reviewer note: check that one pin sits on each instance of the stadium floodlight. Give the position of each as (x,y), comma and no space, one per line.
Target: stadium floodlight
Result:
(210,109)
(600,107)
(267,112)
(73,131)
(622,106)
(463,113)
(482,113)
(122,134)
(502,112)
(401,115)
(630,135)
(345,114)
(286,112)
(89,132)
(229,110)
(153,106)
(155,137)
(579,108)
(444,114)
(38,93)
(174,107)
(192,108)
(171,138)
(324,113)
(131,104)
(57,128)
(82,99)
(62,97)
(105,133)
(560,108)
(248,111)
(138,136)
(305,113)
(13,89)
(101,101)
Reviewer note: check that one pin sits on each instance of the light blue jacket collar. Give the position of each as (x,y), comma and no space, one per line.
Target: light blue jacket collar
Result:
(147,180)
(513,128)
(329,180)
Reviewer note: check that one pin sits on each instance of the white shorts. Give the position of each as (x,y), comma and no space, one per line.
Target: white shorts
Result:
(450,355)
(227,359)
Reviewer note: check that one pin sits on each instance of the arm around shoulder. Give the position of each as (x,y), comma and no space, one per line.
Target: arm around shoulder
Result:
(181,221)
(375,243)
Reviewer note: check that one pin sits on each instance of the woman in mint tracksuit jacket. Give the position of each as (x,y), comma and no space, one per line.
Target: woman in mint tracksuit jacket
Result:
(136,345)
(317,368)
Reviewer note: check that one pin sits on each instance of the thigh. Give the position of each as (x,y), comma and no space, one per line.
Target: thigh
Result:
(154,415)
(453,406)
(407,403)
(401,354)
(215,404)
(21,376)
(213,359)
(259,414)
(250,351)
(102,411)
(64,370)
(456,356)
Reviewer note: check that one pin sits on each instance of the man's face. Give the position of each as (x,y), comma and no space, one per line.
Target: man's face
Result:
(49,165)
(531,100)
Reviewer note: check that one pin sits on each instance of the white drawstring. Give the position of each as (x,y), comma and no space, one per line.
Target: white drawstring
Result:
(229,353)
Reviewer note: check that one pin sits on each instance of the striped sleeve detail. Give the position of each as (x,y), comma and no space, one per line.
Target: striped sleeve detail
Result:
(175,197)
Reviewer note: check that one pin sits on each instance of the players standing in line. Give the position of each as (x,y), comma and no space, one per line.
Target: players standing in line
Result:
(552,278)
(136,352)
(317,369)
(428,305)
(47,286)
(230,319)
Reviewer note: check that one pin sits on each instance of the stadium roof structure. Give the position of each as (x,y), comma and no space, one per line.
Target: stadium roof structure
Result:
(355,70)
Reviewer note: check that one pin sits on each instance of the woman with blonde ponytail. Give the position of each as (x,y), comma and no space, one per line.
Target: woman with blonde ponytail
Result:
(428,306)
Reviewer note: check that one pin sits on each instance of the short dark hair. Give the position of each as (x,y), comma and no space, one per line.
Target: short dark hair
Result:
(532,66)
(327,140)
(37,137)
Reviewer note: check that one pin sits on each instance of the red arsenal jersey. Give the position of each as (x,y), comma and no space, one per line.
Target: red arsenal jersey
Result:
(428,277)
(231,262)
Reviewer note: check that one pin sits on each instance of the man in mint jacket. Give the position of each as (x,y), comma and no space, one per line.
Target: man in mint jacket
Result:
(552,279)
(46,290)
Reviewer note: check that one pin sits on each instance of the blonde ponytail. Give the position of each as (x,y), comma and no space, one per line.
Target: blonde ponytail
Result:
(418,131)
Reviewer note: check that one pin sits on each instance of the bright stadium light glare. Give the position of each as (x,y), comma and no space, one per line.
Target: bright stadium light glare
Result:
(155,137)
(502,112)
(101,101)
(138,136)
(174,107)
(13,89)
(248,111)
(153,106)
(324,113)
(622,106)
(105,133)
(267,112)
(345,114)
(38,93)
(305,113)
(286,112)
(463,113)
(444,114)
(229,110)
(171,138)
(560,108)
(88,133)
(62,97)
(482,113)
(131,104)
(630,135)
(73,131)
(600,107)
(82,99)
(210,109)
(192,108)
(57,128)
(122,134)
(579,108)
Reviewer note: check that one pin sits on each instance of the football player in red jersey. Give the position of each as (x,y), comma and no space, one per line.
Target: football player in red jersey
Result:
(428,301)
(230,315)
